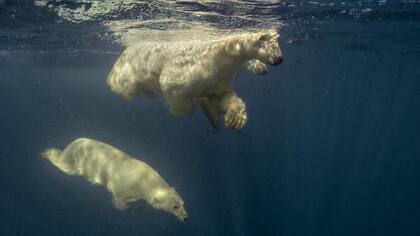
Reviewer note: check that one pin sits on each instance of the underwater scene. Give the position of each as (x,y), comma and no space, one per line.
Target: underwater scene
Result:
(210,117)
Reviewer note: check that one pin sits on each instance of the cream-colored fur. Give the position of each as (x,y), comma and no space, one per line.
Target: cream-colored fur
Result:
(127,178)
(189,72)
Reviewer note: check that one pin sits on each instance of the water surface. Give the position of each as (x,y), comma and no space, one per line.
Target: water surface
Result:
(330,147)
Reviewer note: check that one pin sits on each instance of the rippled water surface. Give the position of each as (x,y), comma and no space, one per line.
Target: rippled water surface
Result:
(330,147)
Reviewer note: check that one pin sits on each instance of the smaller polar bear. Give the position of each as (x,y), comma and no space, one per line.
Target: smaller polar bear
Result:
(127,178)
(189,73)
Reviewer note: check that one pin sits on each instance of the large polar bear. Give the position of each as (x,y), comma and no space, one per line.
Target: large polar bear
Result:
(196,72)
(127,178)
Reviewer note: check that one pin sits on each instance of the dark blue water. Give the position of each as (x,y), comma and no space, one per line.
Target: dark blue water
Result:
(332,145)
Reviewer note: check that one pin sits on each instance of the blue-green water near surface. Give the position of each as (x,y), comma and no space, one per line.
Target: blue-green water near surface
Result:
(331,146)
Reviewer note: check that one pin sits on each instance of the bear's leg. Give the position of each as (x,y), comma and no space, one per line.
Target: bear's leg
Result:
(119,203)
(211,111)
(176,89)
(235,111)
(256,66)
(180,105)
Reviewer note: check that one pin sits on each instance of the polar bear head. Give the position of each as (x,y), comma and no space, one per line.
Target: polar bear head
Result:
(169,200)
(262,46)
(267,47)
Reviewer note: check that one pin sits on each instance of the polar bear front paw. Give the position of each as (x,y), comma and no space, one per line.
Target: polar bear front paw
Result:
(257,67)
(236,118)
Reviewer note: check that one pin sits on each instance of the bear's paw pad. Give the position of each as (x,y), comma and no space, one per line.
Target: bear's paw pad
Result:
(236,118)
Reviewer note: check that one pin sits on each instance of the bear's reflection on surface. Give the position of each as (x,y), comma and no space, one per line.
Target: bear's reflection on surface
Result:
(127,178)
(199,72)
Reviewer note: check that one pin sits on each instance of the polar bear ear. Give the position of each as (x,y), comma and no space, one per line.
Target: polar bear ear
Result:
(264,37)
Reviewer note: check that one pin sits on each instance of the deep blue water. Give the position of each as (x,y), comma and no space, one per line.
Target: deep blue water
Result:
(332,145)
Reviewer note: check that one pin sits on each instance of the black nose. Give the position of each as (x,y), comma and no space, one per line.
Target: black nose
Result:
(185,219)
(278,61)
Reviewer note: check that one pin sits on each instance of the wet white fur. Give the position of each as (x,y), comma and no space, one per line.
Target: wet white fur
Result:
(127,178)
(185,71)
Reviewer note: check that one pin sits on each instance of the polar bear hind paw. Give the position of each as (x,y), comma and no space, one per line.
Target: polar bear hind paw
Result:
(236,118)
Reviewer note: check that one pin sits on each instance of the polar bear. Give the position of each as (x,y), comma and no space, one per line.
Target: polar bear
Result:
(187,73)
(127,178)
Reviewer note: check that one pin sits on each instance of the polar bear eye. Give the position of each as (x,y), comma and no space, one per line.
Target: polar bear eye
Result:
(176,207)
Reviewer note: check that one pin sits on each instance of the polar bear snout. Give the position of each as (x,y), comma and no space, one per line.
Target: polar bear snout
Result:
(183,216)
(181,213)
(270,53)
(275,56)
(277,61)
(274,59)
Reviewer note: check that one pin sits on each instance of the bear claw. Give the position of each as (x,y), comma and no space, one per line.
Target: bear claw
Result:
(235,119)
